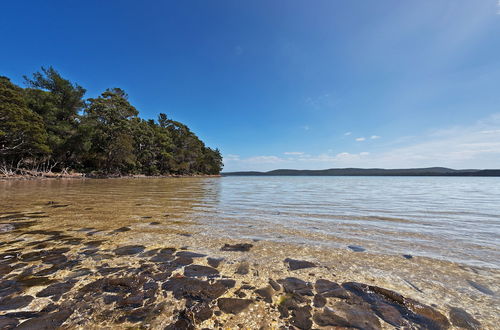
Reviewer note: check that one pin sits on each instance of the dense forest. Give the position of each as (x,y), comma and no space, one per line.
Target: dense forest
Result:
(49,126)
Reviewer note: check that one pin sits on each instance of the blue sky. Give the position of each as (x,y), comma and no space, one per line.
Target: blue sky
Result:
(286,84)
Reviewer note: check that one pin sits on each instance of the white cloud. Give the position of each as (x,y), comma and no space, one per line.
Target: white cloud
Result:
(347,133)
(374,137)
(264,160)
(231,157)
(474,146)
(360,139)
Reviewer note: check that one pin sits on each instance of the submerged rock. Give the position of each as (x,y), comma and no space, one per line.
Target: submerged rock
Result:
(8,322)
(240,247)
(189,254)
(214,262)
(481,288)
(294,264)
(233,305)
(47,321)
(266,293)
(15,302)
(297,286)
(56,289)
(319,301)
(301,317)
(462,319)
(199,271)
(192,288)
(330,289)
(356,248)
(129,249)
(396,309)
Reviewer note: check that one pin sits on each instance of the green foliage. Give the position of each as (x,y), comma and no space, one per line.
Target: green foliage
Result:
(59,102)
(49,121)
(22,132)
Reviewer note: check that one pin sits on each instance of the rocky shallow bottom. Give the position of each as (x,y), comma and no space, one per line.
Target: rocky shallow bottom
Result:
(93,278)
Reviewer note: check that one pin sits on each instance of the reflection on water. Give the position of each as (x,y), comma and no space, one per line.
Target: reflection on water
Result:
(456,219)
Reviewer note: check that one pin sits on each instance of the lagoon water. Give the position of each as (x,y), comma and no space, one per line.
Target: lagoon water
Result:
(449,218)
(432,239)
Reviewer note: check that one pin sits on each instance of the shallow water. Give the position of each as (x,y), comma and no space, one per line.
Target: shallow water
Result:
(101,229)
(455,219)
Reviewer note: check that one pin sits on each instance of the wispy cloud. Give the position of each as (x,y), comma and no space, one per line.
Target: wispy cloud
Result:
(374,137)
(231,157)
(360,139)
(474,146)
(323,101)
(347,133)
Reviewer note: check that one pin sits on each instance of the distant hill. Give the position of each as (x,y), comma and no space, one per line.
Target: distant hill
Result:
(428,171)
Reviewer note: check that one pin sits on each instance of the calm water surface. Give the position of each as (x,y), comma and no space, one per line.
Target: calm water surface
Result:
(455,219)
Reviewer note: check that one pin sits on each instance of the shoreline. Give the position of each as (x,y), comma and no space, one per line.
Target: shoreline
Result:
(80,176)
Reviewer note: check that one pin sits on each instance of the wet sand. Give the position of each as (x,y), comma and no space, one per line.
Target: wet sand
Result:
(76,263)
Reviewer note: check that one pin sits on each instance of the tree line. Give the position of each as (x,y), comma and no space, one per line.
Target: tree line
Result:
(49,126)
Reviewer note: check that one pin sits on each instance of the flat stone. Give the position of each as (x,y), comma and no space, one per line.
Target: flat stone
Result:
(294,264)
(266,293)
(34,281)
(214,262)
(202,312)
(8,322)
(56,289)
(357,316)
(228,283)
(356,248)
(460,318)
(330,289)
(164,255)
(240,247)
(192,288)
(295,285)
(398,310)
(15,302)
(181,261)
(189,254)
(5,269)
(55,259)
(129,250)
(47,321)
(199,271)
(233,305)
(301,317)
(319,301)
